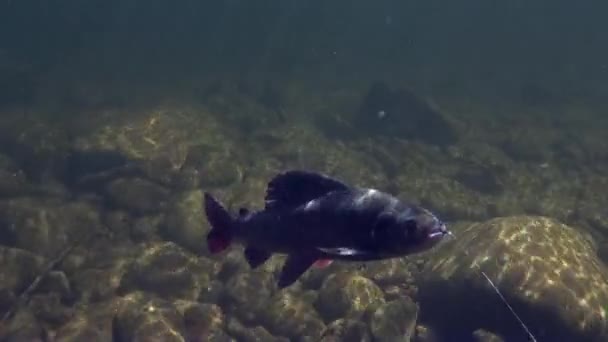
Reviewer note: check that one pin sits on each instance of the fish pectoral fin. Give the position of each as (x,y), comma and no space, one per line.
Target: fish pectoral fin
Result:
(293,188)
(294,267)
(343,251)
(322,263)
(255,257)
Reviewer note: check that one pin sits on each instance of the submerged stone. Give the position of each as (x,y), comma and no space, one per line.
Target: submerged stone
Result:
(138,195)
(202,322)
(19,269)
(547,271)
(486,336)
(168,271)
(251,334)
(185,223)
(401,113)
(395,320)
(47,226)
(346,330)
(92,323)
(145,318)
(247,294)
(347,295)
(292,316)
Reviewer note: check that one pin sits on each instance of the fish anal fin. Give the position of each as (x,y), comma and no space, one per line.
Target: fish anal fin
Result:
(256,257)
(294,267)
(294,188)
(220,235)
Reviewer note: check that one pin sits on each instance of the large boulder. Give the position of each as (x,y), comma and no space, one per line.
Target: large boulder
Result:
(547,271)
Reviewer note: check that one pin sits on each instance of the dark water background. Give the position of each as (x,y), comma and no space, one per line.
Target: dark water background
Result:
(118,113)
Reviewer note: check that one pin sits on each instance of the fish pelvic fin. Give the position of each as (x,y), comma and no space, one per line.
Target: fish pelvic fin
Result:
(256,257)
(220,235)
(294,267)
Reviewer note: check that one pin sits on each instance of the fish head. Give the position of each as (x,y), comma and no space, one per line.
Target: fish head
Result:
(413,231)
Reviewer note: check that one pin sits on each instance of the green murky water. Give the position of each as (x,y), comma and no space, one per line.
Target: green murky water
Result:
(116,116)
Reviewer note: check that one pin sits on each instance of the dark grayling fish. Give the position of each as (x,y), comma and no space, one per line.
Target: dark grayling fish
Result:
(315,219)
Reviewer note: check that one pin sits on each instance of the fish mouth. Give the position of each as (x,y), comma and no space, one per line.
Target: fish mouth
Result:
(439,231)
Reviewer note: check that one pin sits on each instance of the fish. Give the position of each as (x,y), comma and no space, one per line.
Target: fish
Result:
(315,219)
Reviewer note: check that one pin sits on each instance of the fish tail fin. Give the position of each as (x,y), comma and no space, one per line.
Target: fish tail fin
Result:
(220,235)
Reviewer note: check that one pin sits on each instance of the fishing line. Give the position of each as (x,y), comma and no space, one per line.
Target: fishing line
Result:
(504,300)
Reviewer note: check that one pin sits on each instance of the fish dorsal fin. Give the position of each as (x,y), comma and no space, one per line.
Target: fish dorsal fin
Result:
(293,188)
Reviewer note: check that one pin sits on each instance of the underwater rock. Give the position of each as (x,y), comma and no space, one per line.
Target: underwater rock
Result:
(202,322)
(292,316)
(546,270)
(138,195)
(528,144)
(164,168)
(401,113)
(602,252)
(19,269)
(298,146)
(94,285)
(232,263)
(186,178)
(394,320)
(251,334)
(142,317)
(50,309)
(56,282)
(248,294)
(158,139)
(89,169)
(347,295)
(346,330)
(450,199)
(272,98)
(34,147)
(23,326)
(101,253)
(46,226)
(212,293)
(185,222)
(92,323)
(168,271)
(119,222)
(425,334)
(215,167)
(592,204)
(389,272)
(481,179)
(486,336)
(147,228)
(13,181)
